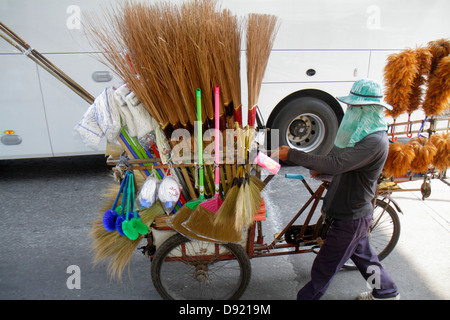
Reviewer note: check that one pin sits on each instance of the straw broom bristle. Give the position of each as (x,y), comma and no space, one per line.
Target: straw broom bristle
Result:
(226,213)
(256,186)
(231,52)
(202,223)
(441,160)
(258,183)
(261,32)
(398,160)
(424,152)
(399,74)
(163,52)
(178,223)
(111,35)
(242,212)
(438,93)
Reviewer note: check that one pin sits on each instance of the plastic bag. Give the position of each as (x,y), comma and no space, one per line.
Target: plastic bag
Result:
(147,193)
(169,193)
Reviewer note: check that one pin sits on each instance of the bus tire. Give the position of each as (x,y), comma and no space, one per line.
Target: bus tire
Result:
(306,123)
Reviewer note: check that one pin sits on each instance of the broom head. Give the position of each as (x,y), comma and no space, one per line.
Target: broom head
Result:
(177,221)
(201,223)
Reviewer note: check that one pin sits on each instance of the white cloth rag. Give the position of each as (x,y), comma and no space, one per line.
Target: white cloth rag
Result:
(125,114)
(102,119)
(143,121)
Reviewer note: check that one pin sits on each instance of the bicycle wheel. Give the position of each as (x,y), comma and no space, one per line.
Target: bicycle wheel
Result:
(384,231)
(184,269)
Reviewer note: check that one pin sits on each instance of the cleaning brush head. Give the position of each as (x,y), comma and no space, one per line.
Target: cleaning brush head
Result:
(134,227)
(109,219)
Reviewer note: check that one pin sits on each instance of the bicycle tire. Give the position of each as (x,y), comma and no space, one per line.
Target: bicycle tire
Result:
(396,228)
(184,278)
(378,219)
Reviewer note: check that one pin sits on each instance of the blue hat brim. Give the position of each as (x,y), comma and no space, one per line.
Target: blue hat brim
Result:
(363,101)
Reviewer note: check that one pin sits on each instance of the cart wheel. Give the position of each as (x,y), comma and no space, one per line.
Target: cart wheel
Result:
(384,231)
(184,269)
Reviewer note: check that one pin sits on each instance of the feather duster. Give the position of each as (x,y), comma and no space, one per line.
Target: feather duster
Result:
(441,160)
(399,74)
(424,152)
(439,49)
(438,93)
(424,58)
(398,160)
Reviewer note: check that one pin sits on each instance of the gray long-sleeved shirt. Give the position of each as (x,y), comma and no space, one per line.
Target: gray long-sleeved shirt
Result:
(355,174)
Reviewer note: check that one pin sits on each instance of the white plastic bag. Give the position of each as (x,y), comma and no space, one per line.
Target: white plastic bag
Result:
(169,192)
(147,193)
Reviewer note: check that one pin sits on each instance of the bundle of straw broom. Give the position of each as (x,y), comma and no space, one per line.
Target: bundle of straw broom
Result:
(243,199)
(261,32)
(164,52)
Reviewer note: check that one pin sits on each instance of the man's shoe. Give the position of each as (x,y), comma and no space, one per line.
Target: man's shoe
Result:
(369,296)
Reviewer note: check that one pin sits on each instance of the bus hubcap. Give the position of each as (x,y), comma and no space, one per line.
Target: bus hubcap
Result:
(305,132)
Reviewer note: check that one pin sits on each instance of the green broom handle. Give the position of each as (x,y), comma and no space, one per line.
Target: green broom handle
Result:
(130,182)
(124,195)
(198,94)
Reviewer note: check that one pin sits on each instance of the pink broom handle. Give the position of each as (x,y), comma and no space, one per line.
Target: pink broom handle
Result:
(216,139)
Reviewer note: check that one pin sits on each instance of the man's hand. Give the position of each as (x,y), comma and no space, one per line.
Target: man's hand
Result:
(281,153)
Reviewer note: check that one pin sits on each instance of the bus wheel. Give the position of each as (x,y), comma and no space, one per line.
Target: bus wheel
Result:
(307,124)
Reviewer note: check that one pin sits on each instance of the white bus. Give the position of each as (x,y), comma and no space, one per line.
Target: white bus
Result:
(322,48)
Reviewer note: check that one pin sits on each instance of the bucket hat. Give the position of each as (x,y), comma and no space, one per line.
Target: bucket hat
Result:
(365,92)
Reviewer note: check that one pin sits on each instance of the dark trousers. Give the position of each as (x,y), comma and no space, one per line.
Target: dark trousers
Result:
(347,239)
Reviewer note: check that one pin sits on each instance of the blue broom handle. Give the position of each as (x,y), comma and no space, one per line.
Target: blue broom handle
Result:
(120,191)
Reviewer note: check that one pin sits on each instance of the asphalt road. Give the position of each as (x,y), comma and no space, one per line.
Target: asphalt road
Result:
(47,206)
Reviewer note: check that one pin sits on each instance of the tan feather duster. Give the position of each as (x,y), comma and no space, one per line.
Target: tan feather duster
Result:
(424,57)
(439,49)
(441,160)
(438,93)
(399,74)
(424,152)
(399,159)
